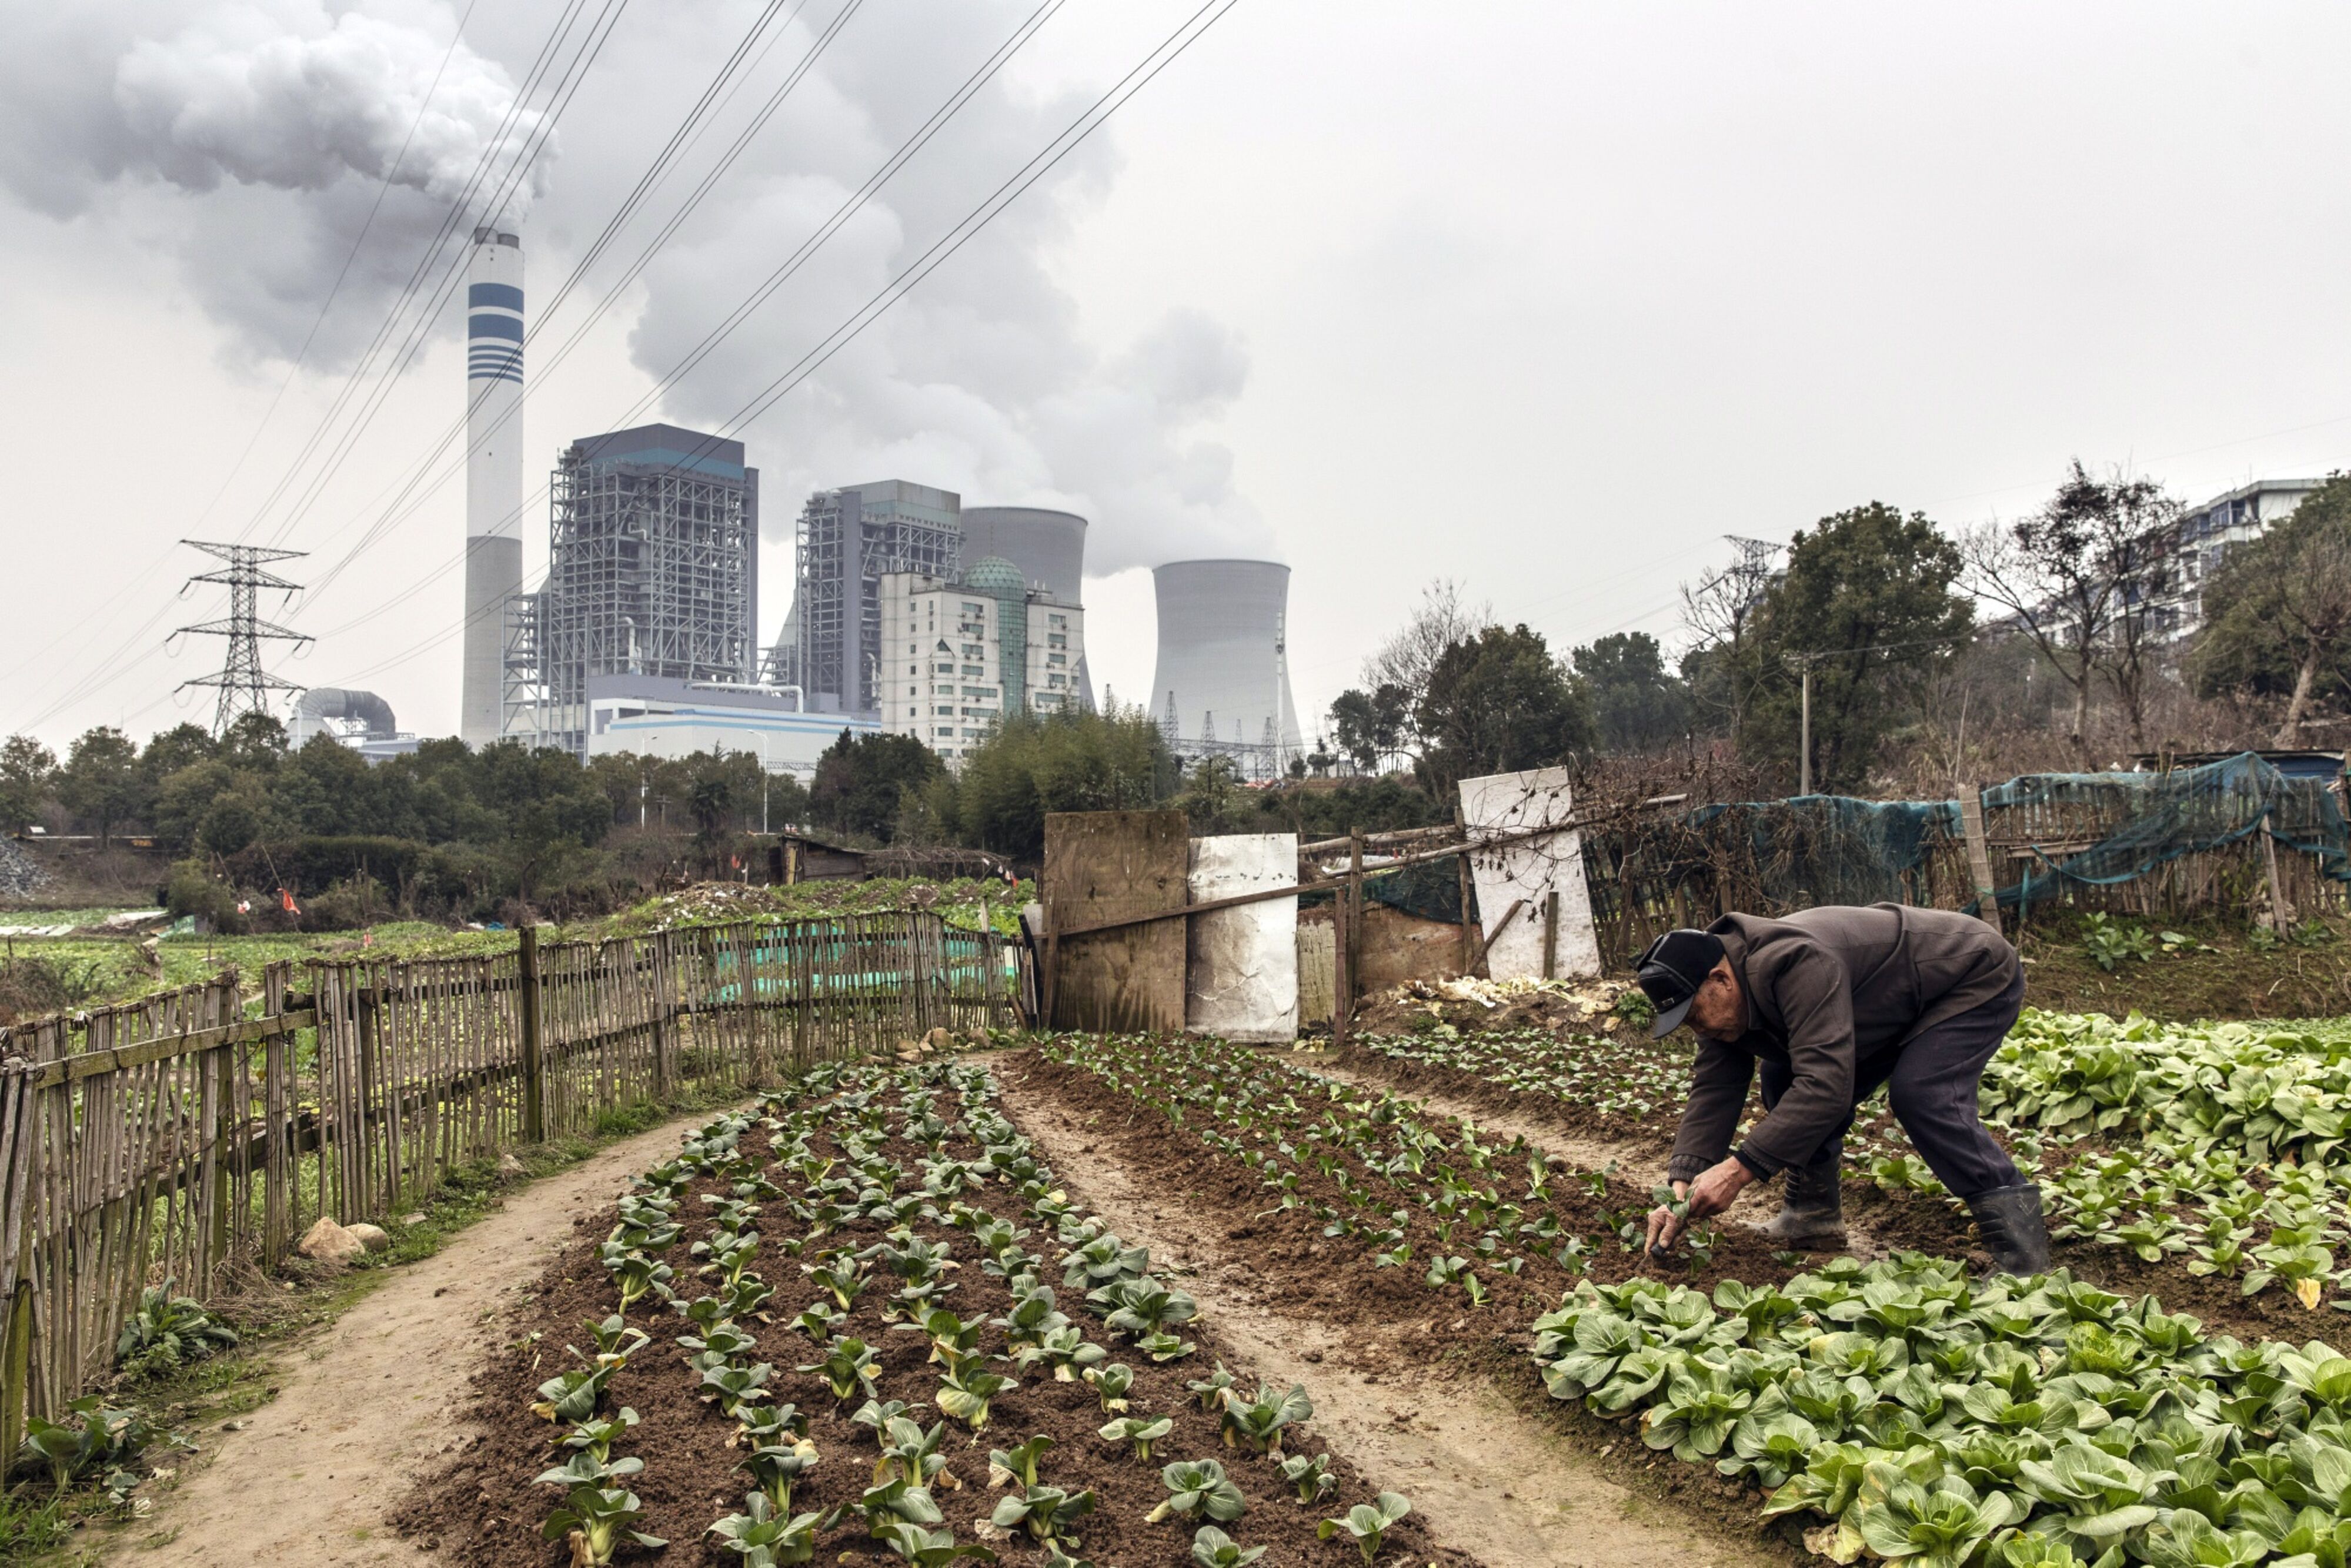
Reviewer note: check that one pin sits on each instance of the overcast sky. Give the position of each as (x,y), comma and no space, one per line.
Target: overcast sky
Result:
(1543,297)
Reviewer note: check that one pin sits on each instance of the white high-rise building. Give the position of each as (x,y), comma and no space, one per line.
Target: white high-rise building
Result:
(957,657)
(494,328)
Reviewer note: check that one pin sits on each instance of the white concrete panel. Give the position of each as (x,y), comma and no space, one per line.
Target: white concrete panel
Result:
(1240,976)
(1526,873)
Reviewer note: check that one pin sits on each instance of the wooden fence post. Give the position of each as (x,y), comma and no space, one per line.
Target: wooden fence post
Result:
(1551,934)
(534,1108)
(1468,887)
(1971,827)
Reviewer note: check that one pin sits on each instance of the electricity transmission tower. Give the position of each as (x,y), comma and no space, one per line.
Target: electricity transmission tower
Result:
(244,686)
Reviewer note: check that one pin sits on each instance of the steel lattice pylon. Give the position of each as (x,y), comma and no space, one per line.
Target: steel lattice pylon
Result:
(244,686)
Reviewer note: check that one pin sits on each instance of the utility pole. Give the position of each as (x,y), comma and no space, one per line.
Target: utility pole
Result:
(1804,730)
(1802,664)
(244,686)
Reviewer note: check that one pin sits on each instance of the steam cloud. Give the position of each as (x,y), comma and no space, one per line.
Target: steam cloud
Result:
(256,136)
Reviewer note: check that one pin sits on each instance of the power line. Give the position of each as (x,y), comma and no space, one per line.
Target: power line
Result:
(244,686)
(1095,115)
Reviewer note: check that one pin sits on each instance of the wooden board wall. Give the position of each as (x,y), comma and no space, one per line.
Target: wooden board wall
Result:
(1106,865)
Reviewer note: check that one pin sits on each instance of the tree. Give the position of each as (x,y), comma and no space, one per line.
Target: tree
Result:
(99,783)
(1395,678)
(861,781)
(1068,761)
(2085,578)
(1498,703)
(1637,704)
(1372,725)
(1868,603)
(2277,611)
(29,772)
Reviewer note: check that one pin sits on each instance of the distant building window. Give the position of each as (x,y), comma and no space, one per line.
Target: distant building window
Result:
(1057,620)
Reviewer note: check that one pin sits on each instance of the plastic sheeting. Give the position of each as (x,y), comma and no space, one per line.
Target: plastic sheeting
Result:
(1240,975)
(1515,882)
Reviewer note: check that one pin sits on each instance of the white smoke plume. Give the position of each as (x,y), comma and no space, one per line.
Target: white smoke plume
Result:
(254,137)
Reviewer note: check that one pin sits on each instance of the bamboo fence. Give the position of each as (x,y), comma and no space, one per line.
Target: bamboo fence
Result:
(167,1137)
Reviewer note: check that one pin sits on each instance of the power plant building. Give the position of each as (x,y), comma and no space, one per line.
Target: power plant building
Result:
(848,541)
(1047,547)
(1221,686)
(652,573)
(957,656)
(494,334)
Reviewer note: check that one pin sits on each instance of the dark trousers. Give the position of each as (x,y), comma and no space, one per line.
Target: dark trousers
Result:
(1930,1084)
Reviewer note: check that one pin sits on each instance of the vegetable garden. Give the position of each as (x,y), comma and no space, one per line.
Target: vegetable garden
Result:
(865,1317)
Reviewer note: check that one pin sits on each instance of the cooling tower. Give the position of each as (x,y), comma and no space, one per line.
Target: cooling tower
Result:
(1048,546)
(1220,635)
(493,474)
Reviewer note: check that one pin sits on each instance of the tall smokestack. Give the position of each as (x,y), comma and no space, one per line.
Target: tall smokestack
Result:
(493,474)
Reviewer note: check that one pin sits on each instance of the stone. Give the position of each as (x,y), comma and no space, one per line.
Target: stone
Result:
(939,1040)
(412,1220)
(509,1165)
(329,1242)
(374,1238)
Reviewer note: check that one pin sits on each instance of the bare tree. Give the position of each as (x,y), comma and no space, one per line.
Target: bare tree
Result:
(1397,676)
(2085,577)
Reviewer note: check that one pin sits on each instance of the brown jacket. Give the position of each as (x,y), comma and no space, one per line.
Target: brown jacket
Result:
(1828,989)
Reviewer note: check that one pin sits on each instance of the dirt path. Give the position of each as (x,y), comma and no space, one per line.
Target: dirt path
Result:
(1492,1480)
(309,1477)
(1638,1163)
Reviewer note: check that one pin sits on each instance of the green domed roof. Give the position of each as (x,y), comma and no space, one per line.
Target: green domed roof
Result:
(993,574)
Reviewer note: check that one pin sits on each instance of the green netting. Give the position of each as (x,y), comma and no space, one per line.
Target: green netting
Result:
(2163,816)
(1833,849)
(1432,890)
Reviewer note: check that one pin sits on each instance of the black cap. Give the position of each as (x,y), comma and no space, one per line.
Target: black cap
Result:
(1671,971)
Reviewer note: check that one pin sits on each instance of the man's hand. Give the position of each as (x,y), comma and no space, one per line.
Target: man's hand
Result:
(1664,1226)
(1714,1190)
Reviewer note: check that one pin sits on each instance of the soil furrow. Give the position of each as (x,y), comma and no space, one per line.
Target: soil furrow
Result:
(1492,1480)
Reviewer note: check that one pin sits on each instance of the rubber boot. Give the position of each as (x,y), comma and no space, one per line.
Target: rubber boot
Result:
(1812,1209)
(2009,1219)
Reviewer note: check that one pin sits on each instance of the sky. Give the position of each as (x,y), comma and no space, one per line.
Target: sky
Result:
(1544,299)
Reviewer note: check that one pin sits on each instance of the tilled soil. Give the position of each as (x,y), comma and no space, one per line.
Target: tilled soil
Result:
(483,1511)
(1439,1404)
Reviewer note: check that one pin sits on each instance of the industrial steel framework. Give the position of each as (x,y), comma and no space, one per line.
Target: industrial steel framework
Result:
(649,572)
(244,686)
(523,693)
(843,549)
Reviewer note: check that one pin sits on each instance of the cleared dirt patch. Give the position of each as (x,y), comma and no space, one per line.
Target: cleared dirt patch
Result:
(312,1476)
(1405,1394)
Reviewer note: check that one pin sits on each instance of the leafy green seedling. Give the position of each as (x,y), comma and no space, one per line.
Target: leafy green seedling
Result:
(1210,1390)
(878,1414)
(1368,1522)
(1311,1478)
(908,1451)
(1007,1465)
(593,1520)
(1212,1548)
(777,1467)
(732,1387)
(932,1548)
(1198,1489)
(586,1470)
(1142,1434)
(1047,1513)
(767,1537)
(847,1369)
(965,1394)
(1111,1384)
(597,1437)
(1259,1423)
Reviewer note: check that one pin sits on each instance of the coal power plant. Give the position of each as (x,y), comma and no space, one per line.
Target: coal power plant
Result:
(1222,687)
(1048,546)
(493,331)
